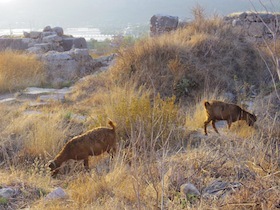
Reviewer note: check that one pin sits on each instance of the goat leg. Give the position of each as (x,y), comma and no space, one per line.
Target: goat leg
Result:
(205,126)
(86,164)
(214,126)
(229,123)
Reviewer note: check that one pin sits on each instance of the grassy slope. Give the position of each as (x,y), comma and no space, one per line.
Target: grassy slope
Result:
(204,57)
(161,141)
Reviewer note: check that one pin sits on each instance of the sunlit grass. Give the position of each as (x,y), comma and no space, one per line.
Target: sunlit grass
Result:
(19,70)
(195,117)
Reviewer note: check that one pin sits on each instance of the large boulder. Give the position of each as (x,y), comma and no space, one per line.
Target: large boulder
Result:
(47,29)
(35,34)
(160,24)
(58,31)
(71,42)
(65,67)
(52,38)
(47,33)
(40,48)
(79,43)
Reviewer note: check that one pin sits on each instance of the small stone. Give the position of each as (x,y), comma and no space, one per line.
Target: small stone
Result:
(7,192)
(189,189)
(56,194)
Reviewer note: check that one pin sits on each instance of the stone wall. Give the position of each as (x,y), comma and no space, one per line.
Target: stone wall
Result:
(255,26)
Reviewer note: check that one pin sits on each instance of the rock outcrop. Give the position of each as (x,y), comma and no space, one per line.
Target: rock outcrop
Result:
(66,58)
(50,39)
(68,66)
(63,67)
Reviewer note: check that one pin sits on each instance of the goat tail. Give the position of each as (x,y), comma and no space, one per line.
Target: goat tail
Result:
(112,124)
(206,104)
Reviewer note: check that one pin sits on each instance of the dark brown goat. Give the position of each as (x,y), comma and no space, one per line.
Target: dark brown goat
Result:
(93,142)
(218,110)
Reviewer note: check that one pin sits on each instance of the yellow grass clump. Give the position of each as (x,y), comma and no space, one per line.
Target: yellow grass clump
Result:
(19,70)
(139,112)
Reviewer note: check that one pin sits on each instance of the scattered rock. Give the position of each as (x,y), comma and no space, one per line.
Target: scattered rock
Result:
(189,189)
(36,90)
(32,94)
(45,94)
(8,192)
(7,100)
(58,193)
(194,139)
(220,188)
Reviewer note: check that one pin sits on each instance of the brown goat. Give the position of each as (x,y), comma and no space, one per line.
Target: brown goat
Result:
(93,142)
(218,110)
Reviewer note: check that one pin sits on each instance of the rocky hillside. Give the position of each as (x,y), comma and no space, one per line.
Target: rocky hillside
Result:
(154,92)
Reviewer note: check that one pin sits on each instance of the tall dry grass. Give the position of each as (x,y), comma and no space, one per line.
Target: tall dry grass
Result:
(39,134)
(141,111)
(19,70)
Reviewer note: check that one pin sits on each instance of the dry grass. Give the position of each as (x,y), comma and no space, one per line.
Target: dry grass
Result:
(140,111)
(161,141)
(19,70)
(29,136)
(143,178)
